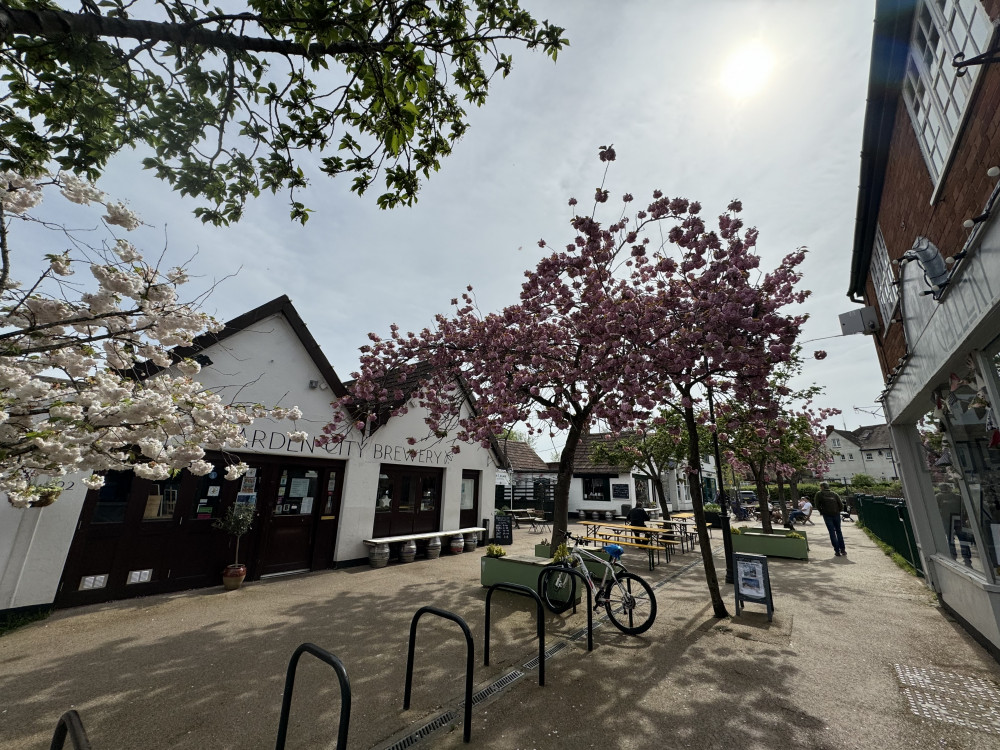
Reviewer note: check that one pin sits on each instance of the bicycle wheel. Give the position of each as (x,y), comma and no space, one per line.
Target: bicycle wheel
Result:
(559,589)
(631,604)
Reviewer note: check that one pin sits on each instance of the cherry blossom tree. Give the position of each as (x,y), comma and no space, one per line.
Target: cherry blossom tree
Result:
(777,436)
(71,399)
(627,317)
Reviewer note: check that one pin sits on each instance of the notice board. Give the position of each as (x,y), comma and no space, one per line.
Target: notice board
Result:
(752,582)
(503,530)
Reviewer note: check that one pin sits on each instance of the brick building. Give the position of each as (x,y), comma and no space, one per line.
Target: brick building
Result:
(926,259)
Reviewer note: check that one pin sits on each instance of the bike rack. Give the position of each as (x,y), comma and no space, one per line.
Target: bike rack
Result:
(516,588)
(548,570)
(470,657)
(345,693)
(70,724)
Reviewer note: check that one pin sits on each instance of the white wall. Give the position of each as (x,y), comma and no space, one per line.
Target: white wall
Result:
(34,543)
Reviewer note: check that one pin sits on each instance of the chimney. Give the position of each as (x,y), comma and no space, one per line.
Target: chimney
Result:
(829,428)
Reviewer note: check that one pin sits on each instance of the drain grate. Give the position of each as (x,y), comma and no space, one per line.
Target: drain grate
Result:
(508,679)
(549,653)
(427,729)
(970,702)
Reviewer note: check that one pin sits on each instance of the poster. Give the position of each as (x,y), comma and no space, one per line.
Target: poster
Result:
(249,484)
(246,498)
(251,473)
(213,491)
(751,578)
(299,488)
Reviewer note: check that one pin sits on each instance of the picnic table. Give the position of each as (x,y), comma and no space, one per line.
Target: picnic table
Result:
(683,528)
(648,538)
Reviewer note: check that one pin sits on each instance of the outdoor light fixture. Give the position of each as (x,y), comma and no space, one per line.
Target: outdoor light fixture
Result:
(993,171)
(970,223)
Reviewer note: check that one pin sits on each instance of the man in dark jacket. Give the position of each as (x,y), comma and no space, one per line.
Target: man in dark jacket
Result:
(830,506)
(637,517)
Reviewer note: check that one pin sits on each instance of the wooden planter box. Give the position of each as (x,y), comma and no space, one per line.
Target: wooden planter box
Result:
(757,542)
(543,550)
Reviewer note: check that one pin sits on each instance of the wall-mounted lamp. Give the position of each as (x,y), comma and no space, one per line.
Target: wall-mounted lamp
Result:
(970,223)
(993,171)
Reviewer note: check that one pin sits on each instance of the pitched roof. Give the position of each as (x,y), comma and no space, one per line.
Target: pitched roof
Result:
(848,436)
(522,457)
(873,437)
(281,305)
(582,462)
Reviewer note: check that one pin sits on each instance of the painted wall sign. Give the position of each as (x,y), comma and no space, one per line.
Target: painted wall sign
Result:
(274,441)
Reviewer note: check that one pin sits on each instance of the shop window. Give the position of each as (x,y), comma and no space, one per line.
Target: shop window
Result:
(430,494)
(383,497)
(162,499)
(596,489)
(208,500)
(935,96)
(468,492)
(112,498)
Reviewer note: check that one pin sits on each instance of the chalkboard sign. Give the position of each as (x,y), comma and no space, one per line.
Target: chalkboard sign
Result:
(503,530)
(619,491)
(752,582)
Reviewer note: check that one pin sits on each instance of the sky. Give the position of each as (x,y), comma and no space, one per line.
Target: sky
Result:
(690,111)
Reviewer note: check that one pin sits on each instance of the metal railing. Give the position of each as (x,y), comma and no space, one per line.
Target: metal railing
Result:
(888,519)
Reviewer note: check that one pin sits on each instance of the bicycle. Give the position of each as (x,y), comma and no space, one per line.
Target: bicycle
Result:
(627,598)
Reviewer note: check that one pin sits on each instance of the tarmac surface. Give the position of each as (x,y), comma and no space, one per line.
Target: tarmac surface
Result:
(859,655)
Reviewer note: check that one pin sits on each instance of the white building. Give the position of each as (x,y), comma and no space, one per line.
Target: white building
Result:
(866,450)
(314,504)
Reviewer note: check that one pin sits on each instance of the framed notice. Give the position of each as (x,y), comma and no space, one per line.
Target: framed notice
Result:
(752,582)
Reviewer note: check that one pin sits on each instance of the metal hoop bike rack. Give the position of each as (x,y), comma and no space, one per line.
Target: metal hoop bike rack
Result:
(469,659)
(70,725)
(543,578)
(345,693)
(516,588)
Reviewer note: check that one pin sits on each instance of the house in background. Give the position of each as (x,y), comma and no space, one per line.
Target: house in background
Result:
(866,450)
(527,481)
(926,264)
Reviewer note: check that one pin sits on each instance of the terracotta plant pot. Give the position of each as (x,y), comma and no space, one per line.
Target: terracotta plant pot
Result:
(233,575)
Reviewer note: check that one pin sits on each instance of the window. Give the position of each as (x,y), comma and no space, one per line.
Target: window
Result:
(888,454)
(869,456)
(596,488)
(850,456)
(836,442)
(882,278)
(842,458)
(935,96)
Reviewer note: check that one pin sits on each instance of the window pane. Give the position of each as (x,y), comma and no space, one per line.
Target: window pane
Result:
(468,493)
(113,497)
(162,499)
(429,493)
(383,498)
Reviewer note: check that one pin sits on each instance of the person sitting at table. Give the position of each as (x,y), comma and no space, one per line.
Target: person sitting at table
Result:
(637,517)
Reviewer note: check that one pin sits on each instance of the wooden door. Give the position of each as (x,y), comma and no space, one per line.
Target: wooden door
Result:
(290,519)
(408,500)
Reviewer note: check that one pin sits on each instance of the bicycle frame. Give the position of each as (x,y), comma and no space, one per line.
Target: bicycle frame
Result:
(579,554)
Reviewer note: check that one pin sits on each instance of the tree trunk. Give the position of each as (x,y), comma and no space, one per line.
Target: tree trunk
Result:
(781,499)
(661,495)
(694,468)
(560,508)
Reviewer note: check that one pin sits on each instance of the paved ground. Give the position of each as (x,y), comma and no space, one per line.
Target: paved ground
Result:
(854,644)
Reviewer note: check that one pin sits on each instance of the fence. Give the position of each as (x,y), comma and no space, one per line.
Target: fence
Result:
(888,518)
(528,493)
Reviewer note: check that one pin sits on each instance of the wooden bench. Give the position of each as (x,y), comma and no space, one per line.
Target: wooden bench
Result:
(607,538)
(378,555)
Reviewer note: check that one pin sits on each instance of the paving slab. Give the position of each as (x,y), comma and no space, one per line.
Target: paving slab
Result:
(859,655)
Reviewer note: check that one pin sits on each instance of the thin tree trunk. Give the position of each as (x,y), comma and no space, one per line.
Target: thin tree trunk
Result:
(560,508)
(781,499)
(694,466)
(762,497)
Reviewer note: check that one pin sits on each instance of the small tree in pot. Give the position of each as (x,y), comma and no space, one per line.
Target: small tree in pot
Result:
(237,521)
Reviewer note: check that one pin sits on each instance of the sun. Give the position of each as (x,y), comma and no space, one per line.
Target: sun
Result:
(747,69)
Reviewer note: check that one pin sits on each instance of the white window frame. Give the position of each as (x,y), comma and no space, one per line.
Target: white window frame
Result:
(850,456)
(884,280)
(936,97)
(836,442)
(869,457)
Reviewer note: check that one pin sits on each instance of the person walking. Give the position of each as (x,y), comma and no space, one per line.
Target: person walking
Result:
(830,506)
(637,517)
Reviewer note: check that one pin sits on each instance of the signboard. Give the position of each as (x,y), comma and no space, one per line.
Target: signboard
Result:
(619,491)
(503,530)
(752,582)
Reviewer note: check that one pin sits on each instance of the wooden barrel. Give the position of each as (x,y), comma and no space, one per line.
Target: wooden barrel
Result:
(378,555)
(408,551)
(433,547)
(457,544)
(471,541)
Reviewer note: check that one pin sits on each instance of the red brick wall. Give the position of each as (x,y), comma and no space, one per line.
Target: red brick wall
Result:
(905,212)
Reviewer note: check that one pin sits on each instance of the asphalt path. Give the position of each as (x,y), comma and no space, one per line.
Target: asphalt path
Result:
(858,655)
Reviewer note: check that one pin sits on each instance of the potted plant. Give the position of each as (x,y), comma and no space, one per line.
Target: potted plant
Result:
(237,521)
(543,549)
(713,514)
(794,544)
(495,551)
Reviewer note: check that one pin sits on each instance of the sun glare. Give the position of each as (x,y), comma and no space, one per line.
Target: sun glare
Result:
(747,69)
